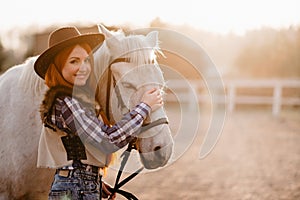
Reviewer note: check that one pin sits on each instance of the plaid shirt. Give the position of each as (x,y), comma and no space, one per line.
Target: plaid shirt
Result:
(70,114)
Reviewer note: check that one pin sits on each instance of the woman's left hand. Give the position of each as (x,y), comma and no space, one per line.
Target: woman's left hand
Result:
(153,98)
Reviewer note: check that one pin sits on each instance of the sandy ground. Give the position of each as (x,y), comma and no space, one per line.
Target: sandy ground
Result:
(257,157)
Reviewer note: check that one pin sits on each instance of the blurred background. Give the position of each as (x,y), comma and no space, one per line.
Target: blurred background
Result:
(243,38)
(255,46)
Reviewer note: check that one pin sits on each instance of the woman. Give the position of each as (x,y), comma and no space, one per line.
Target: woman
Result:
(74,140)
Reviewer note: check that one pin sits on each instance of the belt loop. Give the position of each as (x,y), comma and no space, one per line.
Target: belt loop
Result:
(64,173)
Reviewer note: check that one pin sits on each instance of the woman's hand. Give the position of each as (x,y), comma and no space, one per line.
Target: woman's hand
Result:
(153,98)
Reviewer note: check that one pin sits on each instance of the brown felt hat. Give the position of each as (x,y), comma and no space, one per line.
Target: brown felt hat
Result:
(60,39)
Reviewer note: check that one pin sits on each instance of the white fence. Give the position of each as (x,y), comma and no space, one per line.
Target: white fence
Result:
(274,96)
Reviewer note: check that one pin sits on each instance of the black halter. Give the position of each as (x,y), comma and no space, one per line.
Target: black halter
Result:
(131,145)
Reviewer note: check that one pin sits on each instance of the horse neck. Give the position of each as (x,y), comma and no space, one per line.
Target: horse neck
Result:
(102,59)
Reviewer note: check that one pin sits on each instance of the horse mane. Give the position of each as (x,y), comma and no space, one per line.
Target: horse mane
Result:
(29,80)
(135,50)
(101,60)
(132,47)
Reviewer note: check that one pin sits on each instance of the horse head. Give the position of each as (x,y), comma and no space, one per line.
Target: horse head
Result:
(132,62)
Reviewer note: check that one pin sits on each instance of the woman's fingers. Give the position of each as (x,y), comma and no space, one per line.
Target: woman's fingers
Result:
(153,98)
(152,90)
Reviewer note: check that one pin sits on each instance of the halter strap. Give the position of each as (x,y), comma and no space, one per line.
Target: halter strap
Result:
(108,88)
(157,122)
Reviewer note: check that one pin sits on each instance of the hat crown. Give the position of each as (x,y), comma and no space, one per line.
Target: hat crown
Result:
(62,34)
(60,39)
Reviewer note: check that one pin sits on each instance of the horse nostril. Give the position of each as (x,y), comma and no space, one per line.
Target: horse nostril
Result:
(157,148)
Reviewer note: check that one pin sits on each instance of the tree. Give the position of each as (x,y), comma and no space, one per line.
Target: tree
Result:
(2,56)
(270,53)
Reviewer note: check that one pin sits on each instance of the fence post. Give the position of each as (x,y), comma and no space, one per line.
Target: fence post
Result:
(192,91)
(231,97)
(276,107)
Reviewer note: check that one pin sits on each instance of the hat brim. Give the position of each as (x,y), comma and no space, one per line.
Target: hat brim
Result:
(45,59)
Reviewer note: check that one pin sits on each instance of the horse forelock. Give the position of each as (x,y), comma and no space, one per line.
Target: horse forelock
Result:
(137,50)
(132,47)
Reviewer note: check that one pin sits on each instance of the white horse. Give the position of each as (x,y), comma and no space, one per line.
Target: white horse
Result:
(22,91)
(20,124)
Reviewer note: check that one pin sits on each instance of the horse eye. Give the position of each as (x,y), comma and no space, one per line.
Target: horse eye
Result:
(128,85)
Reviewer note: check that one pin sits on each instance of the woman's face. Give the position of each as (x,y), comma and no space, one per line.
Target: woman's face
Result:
(77,68)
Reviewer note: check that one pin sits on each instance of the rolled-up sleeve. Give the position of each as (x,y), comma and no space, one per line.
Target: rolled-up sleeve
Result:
(92,130)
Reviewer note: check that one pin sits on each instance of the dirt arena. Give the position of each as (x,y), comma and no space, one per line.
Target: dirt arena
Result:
(257,157)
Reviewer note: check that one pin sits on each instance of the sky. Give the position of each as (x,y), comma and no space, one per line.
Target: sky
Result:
(220,16)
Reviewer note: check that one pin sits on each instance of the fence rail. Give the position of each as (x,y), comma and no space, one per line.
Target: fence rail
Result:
(277,98)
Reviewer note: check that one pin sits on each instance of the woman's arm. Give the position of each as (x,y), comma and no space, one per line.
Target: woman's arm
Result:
(92,130)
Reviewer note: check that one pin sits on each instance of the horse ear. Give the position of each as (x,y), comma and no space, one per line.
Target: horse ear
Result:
(105,31)
(112,42)
(152,38)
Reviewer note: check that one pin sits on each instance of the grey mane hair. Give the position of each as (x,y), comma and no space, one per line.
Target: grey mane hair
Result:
(101,60)
(132,47)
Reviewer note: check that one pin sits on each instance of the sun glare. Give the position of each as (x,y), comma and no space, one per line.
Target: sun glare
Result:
(215,16)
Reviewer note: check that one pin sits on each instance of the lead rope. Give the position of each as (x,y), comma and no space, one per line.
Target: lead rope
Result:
(118,184)
(125,156)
